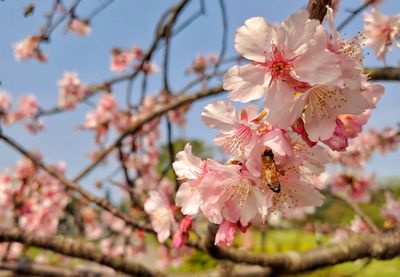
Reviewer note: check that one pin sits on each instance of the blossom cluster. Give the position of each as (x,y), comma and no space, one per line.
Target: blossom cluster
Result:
(122,59)
(362,147)
(381,32)
(201,63)
(28,108)
(32,199)
(315,93)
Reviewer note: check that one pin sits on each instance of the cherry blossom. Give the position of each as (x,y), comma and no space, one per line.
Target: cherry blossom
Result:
(182,235)
(381,31)
(121,59)
(100,118)
(357,225)
(357,188)
(226,234)
(279,53)
(5,102)
(201,63)
(28,49)
(79,27)
(239,130)
(294,82)
(162,218)
(391,210)
(72,91)
(191,169)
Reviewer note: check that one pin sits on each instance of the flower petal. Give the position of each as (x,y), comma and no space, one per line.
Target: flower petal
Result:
(246,83)
(254,38)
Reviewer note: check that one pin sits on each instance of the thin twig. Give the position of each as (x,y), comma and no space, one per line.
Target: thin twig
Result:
(98,9)
(354,14)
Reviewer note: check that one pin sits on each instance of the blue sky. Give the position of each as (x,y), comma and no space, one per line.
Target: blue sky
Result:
(127,23)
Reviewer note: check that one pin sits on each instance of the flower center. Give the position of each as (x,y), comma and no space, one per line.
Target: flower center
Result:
(278,66)
(239,190)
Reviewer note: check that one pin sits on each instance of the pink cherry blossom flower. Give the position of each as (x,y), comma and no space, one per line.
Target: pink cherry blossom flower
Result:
(226,234)
(380,31)
(386,140)
(100,118)
(200,64)
(79,27)
(230,192)
(371,91)
(357,188)
(349,53)
(391,210)
(283,58)
(339,140)
(238,131)
(340,235)
(296,174)
(28,49)
(321,181)
(353,124)
(121,59)
(28,106)
(34,126)
(24,169)
(357,225)
(72,91)
(162,218)
(182,235)
(150,68)
(5,102)
(324,104)
(191,169)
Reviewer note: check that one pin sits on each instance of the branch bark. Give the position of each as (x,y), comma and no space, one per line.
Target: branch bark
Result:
(317,9)
(383,73)
(376,246)
(38,269)
(78,250)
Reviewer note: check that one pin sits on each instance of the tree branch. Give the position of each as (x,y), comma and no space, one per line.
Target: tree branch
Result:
(101,202)
(317,9)
(38,269)
(383,73)
(76,249)
(180,101)
(376,246)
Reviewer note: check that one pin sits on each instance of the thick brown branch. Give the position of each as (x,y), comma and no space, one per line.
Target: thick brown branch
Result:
(76,249)
(317,8)
(383,73)
(376,246)
(38,269)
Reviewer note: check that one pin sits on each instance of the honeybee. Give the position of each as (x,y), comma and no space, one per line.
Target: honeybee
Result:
(269,175)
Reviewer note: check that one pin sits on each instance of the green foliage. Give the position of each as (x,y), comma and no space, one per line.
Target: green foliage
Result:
(198,262)
(199,148)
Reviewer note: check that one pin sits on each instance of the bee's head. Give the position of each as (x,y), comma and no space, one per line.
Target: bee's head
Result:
(268,153)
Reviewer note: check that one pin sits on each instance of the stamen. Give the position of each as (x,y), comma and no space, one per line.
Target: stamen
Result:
(233,144)
(239,190)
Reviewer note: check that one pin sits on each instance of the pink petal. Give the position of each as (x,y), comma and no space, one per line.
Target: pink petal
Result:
(283,107)
(254,38)
(246,83)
